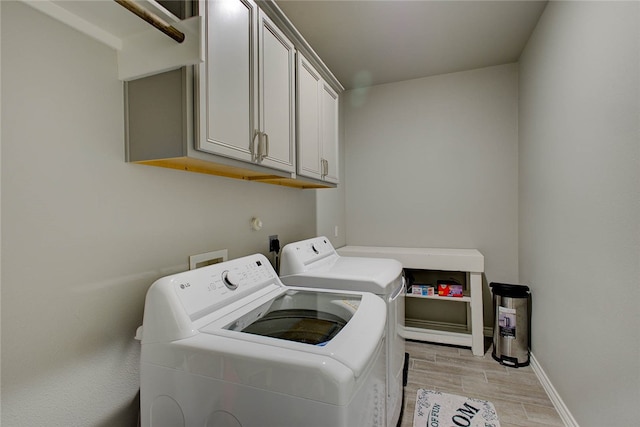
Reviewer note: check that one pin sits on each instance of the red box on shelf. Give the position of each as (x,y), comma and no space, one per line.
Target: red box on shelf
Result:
(449,289)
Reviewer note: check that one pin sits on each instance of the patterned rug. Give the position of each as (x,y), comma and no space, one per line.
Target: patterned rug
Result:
(436,409)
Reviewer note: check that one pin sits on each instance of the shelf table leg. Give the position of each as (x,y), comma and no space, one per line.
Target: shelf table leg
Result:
(477,326)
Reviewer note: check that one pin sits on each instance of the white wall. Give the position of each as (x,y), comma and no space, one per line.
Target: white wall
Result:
(432,162)
(579,169)
(84,234)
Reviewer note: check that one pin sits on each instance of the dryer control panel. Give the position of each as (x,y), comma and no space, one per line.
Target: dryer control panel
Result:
(298,256)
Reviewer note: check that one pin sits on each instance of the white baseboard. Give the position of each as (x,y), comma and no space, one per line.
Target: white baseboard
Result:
(555,398)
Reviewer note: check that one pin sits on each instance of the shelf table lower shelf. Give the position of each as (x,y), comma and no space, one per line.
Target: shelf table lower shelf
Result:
(439,337)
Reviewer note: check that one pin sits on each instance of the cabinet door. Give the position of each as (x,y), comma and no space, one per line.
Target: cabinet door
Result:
(228,79)
(329,133)
(309,153)
(276,97)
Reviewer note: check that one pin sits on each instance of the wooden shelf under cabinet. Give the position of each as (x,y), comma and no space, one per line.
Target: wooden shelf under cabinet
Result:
(212,168)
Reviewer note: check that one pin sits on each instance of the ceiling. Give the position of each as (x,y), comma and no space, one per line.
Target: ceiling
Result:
(371,42)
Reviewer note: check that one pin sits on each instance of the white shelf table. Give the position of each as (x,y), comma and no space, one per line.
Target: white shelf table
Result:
(470,261)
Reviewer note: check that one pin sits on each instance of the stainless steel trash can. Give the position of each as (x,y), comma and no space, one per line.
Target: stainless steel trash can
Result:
(511,329)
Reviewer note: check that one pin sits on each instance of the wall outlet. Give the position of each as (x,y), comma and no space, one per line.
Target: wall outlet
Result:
(274,244)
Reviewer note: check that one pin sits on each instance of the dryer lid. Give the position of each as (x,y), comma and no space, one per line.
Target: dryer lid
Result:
(302,266)
(379,276)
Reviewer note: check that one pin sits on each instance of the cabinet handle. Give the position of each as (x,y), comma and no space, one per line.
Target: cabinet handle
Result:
(265,153)
(252,147)
(262,151)
(325,167)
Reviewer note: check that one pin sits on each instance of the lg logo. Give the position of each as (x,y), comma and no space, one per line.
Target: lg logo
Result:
(184,285)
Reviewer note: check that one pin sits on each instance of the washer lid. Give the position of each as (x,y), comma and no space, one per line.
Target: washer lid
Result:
(302,316)
(359,317)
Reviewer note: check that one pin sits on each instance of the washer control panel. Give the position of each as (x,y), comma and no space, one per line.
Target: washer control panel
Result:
(204,289)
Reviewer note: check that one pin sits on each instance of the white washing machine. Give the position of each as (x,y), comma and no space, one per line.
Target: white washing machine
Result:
(315,263)
(228,345)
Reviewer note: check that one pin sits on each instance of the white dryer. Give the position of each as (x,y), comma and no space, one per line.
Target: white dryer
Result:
(315,263)
(228,345)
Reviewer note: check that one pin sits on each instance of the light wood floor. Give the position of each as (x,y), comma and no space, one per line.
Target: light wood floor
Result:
(516,394)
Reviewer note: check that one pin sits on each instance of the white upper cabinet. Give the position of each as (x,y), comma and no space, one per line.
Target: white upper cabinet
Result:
(227,79)
(309,150)
(329,133)
(276,97)
(240,112)
(317,125)
(246,87)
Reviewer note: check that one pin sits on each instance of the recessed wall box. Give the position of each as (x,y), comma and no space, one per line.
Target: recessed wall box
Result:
(208,258)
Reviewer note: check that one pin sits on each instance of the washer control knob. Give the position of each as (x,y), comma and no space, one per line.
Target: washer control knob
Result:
(230,279)
(313,248)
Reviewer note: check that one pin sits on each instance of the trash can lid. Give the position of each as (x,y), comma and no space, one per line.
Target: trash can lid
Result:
(508,290)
